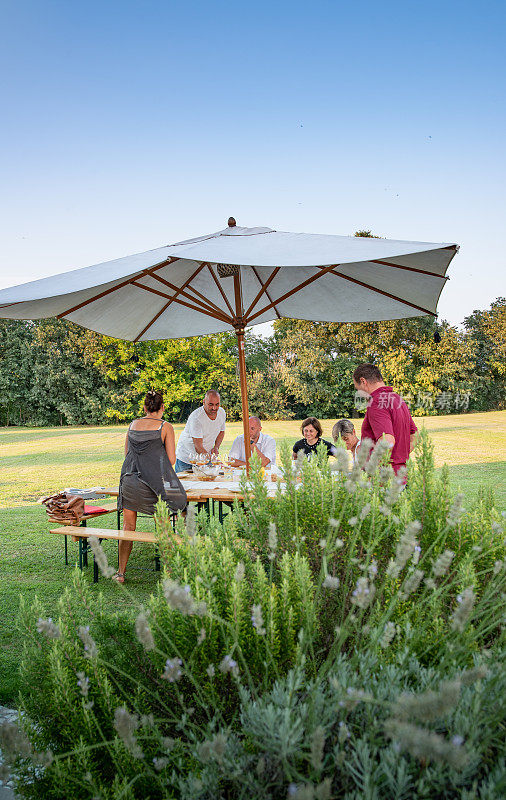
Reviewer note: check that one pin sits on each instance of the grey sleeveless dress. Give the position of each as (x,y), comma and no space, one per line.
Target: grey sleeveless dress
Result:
(145,470)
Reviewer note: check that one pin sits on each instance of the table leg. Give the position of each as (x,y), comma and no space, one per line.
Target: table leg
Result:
(66,553)
(157,560)
(220,512)
(80,554)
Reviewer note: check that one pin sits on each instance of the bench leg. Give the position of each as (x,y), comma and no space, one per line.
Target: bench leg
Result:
(95,567)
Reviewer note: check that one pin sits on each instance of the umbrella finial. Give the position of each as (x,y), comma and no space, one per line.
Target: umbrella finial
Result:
(231,222)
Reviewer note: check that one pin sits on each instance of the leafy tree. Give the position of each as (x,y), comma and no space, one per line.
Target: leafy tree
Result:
(487,329)
(183,369)
(15,371)
(316,362)
(66,386)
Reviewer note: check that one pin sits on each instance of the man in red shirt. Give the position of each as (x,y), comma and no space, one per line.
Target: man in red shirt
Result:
(387,414)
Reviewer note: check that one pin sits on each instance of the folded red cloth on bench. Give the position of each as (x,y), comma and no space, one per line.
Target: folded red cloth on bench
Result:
(95,510)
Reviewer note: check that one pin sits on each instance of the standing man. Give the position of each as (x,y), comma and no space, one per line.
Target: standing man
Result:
(387,414)
(261,443)
(203,432)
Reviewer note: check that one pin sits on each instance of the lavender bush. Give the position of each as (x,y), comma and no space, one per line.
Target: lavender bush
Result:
(342,641)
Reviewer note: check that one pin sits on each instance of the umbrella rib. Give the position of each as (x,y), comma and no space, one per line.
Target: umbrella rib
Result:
(272,304)
(386,294)
(263,290)
(175,299)
(118,286)
(151,322)
(166,306)
(410,269)
(201,302)
(218,284)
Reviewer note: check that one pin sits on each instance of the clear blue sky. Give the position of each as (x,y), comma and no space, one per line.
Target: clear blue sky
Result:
(129,125)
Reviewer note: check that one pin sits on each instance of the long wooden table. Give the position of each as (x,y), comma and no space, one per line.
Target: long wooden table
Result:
(207,492)
(206,496)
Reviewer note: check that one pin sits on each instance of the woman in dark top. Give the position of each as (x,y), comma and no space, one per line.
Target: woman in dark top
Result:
(312,433)
(147,472)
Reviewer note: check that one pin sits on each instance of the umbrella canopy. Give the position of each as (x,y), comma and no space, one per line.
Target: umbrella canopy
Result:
(238,277)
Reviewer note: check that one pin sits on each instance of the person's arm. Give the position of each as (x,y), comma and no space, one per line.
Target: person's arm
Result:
(270,451)
(126,444)
(413,433)
(235,450)
(217,443)
(381,424)
(169,442)
(196,432)
(264,459)
(198,444)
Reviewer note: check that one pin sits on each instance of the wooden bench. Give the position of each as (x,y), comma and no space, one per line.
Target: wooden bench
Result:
(107,508)
(146,537)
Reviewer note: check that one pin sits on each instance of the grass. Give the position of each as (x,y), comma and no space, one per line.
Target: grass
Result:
(38,461)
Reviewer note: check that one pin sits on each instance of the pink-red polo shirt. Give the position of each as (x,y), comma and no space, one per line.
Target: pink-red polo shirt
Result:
(388,413)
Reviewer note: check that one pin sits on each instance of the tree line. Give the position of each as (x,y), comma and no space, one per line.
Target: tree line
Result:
(53,372)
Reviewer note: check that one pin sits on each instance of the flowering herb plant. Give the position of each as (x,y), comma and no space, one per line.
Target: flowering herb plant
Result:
(342,640)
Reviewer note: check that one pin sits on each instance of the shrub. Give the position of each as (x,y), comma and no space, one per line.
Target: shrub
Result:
(275,656)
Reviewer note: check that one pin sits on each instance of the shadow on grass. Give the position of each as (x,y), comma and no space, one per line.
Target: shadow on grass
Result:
(79,456)
(21,435)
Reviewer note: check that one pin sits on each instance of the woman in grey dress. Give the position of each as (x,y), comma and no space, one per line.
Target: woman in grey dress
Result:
(147,472)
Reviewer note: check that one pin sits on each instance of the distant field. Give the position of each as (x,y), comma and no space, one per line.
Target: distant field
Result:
(35,461)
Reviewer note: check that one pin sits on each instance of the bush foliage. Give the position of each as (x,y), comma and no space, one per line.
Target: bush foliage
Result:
(343,640)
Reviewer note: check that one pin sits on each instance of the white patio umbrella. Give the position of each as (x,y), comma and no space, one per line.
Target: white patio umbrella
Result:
(237,277)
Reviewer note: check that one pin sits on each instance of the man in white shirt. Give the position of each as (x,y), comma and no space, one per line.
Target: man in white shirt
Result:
(203,432)
(261,443)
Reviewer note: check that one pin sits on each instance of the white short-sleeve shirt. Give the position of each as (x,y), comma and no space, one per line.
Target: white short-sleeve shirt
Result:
(200,426)
(266,444)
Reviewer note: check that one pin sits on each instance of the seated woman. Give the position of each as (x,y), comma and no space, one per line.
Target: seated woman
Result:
(147,471)
(345,429)
(312,433)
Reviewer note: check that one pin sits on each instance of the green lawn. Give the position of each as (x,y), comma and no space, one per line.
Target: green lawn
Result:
(36,461)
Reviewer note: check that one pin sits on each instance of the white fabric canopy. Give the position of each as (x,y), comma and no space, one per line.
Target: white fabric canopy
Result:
(178,290)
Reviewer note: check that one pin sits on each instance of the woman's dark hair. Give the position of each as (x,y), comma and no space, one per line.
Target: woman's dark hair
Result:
(315,423)
(153,401)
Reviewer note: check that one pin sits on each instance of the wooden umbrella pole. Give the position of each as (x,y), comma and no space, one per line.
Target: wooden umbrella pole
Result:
(239,331)
(244,394)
